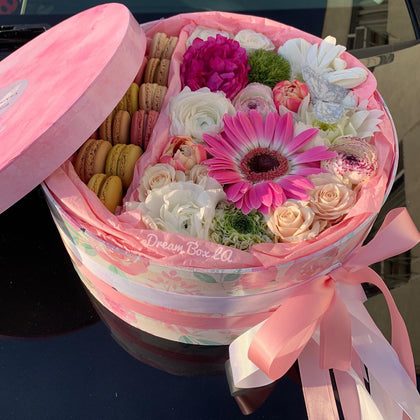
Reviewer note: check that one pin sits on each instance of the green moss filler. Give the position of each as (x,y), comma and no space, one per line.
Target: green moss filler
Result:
(268,68)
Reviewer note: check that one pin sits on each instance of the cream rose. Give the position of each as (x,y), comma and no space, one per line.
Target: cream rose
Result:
(204,32)
(294,221)
(157,176)
(194,113)
(330,199)
(251,41)
(181,207)
(197,173)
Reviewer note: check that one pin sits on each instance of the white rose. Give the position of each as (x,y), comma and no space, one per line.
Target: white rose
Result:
(251,41)
(157,176)
(294,221)
(181,207)
(196,113)
(330,199)
(203,33)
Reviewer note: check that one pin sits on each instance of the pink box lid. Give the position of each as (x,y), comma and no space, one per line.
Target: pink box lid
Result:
(56,90)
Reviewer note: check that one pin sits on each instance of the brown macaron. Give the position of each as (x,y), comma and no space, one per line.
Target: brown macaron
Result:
(162,72)
(121,127)
(158,45)
(95,160)
(105,129)
(151,70)
(146,95)
(170,47)
(158,98)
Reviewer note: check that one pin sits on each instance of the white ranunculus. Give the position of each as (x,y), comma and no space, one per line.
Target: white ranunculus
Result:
(194,113)
(203,33)
(251,41)
(181,207)
(294,221)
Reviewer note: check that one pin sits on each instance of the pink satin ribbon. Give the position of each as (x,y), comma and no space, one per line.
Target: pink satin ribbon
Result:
(282,338)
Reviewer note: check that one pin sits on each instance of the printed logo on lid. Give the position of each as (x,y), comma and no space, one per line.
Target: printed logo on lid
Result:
(11,94)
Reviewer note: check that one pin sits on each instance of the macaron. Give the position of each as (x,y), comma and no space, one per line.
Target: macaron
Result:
(137,124)
(91,158)
(132,96)
(139,76)
(158,97)
(158,45)
(170,47)
(126,163)
(152,117)
(111,193)
(151,70)
(121,161)
(95,183)
(146,94)
(108,189)
(105,129)
(111,164)
(162,72)
(121,127)
(95,160)
(122,104)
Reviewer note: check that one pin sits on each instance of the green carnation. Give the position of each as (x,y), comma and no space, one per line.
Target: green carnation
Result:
(268,68)
(231,227)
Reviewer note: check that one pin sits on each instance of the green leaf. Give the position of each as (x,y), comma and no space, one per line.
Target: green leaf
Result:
(208,342)
(185,339)
(117,271)
(231,277)
(204,277)
(89,249)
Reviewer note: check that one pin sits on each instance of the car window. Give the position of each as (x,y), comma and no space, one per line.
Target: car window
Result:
(357,24)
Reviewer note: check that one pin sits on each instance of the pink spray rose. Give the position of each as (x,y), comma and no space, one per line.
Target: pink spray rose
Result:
(289,94)
(218,63)
(182,153)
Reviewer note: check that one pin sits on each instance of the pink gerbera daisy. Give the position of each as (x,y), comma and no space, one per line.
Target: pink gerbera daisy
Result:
(259,162)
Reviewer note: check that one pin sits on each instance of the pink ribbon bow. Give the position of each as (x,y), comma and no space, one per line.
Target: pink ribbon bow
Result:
(281,339)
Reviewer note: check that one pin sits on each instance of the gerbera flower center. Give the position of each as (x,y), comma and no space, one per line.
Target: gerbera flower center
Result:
(264,164)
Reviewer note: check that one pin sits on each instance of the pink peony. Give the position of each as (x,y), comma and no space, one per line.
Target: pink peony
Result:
(218,63)
(289,94)
(182,153)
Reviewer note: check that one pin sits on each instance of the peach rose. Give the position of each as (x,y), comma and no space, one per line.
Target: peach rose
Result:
(294,221)
(182,153)
(330,199)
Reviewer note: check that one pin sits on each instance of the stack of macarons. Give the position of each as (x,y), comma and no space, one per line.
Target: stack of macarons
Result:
(107,170)
(106,161)
(135,115)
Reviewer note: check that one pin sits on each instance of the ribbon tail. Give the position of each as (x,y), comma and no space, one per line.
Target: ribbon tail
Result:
(400,338)
(316,384)
(382,361)
(335,336)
